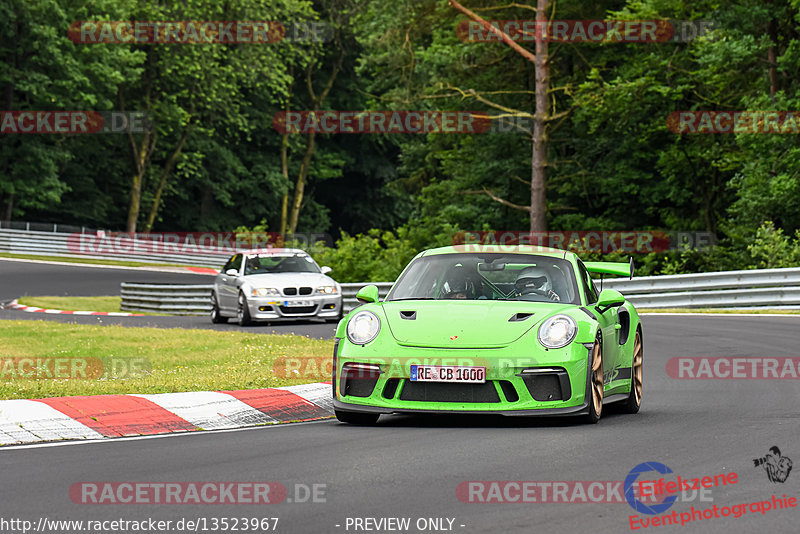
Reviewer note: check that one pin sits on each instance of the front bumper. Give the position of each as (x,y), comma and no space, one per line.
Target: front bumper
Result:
(311,306)
(551,383)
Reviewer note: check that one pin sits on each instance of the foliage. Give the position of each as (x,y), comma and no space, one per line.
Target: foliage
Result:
(614,163)
(772,249)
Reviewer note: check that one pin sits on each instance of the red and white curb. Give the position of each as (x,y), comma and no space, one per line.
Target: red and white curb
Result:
(108,416)
(14,305)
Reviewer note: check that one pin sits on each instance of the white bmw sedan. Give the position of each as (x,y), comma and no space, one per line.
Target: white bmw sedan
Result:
(274,285)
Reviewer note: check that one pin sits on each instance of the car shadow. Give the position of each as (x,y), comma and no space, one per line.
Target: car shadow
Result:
(489,421)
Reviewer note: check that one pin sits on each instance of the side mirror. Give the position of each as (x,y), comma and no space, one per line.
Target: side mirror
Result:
(232,272)
(367,294)
(325,269)
(609,298)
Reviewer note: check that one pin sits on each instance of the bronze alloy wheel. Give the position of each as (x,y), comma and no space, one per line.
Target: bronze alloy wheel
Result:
(634,400)
(597,378)
(636,385)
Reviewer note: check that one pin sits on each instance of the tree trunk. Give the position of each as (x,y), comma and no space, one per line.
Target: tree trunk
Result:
(772,32)
(538,207)
(9,207)
(285,172)
(141,156)
(318,101)
(538,214)
(135,202)
(162,182)
(300,186)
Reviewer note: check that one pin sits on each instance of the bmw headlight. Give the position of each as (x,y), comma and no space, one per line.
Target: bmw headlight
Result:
(363,327)
(558,331)
(327,290)
(264,291)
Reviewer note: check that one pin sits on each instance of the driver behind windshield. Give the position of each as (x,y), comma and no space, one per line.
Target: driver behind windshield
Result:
(253,265)
(457,284)
(535,280)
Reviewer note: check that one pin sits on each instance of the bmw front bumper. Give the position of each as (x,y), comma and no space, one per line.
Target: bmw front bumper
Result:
(287,308)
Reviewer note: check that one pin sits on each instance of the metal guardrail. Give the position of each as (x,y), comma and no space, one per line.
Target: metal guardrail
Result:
(773,288)
(172,299)
(44,227)
(69,245)
(766,288)
(195,299)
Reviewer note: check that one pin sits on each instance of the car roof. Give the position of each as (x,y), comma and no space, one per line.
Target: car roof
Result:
(500,249)
(277,251)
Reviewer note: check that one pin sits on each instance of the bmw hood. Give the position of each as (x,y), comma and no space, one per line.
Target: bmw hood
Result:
(461,324)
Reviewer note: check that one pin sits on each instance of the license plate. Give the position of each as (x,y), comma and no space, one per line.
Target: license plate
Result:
(297,303)
(448,373)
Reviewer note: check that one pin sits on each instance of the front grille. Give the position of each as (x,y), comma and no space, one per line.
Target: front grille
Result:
(305,290)
(297,310)
(509,391)
(358,382)
(446,392)
(290,291)
(545,387)
(390,388)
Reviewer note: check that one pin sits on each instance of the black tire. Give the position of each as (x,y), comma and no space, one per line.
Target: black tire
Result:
(243,312)
(356,418)
(595,391)
(216,317)
(634,401)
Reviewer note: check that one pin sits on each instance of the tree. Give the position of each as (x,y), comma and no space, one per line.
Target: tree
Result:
(538,204)
(45,71)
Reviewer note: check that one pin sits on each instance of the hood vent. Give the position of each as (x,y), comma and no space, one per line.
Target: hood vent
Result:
(519,317)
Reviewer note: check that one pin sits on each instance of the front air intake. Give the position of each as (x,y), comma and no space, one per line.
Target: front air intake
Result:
(444,392)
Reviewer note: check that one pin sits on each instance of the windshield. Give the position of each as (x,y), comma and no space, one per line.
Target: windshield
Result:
(482,276)
(267,264)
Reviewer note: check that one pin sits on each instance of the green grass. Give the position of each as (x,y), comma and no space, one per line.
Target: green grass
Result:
(93,261)
(100,304)
(713,310)
(177,359)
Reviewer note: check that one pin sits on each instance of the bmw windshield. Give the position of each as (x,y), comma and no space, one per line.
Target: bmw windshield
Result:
(274,263)
(481,276)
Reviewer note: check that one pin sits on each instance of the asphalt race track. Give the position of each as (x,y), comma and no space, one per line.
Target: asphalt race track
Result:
(410,467)
(22,278)
(19,278)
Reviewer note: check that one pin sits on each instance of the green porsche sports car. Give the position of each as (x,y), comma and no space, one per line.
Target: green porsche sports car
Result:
(504,330)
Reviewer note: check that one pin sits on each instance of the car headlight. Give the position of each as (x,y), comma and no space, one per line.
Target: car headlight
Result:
(327,290)
(363,327)
(558,331)
(264,291)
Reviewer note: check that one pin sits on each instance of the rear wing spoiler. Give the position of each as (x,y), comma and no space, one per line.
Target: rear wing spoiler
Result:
(607,267)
